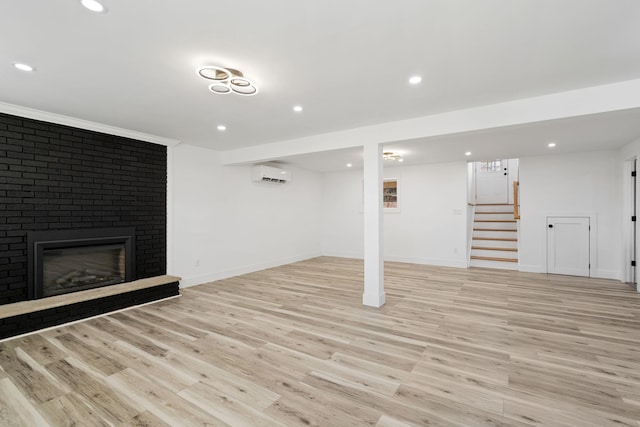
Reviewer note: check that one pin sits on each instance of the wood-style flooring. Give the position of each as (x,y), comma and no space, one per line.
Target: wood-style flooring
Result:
(294,346)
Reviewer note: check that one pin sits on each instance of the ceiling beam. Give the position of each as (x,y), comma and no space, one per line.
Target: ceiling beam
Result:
(574,103)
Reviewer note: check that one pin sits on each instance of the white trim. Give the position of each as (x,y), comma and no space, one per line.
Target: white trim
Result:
(60,119)
(533,268)
(605,274)
(353,255)
(73,322)
(169,229)
(374,300)
(225,274)
(471,221)
(627,225)
(438,262)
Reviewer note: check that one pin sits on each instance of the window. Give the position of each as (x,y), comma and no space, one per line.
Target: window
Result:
(390,193)
(491,166)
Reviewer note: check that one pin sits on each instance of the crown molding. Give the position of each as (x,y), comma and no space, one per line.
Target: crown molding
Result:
(60,119)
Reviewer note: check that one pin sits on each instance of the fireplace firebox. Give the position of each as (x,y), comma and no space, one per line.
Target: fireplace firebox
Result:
(64,261)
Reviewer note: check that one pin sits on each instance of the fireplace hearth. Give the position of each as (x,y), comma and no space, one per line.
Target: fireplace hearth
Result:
(65,261)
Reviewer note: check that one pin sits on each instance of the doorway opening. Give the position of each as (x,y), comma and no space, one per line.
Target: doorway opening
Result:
(629,223)
(492,199)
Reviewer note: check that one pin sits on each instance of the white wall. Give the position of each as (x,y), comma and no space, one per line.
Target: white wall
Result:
(430,227)
(573,184)
(224,224)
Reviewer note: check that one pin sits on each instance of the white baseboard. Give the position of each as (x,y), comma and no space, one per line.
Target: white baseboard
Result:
(440,262)
(225,274)
(606,274)
(595,273)
(426,261)
(532,268)
(344,255)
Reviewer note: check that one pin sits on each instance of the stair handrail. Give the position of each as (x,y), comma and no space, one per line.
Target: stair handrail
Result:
(516,201)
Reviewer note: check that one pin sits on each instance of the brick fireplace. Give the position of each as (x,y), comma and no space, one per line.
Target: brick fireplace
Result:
(60,179)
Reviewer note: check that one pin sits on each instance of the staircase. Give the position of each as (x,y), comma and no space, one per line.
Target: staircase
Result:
(495,237)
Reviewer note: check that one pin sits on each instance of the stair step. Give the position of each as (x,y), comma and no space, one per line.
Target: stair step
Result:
(495,213)
(493,264)
(489,258)
(493,208)
(502,239)
(486,248)
(495,229)
(495,220)
(496,234)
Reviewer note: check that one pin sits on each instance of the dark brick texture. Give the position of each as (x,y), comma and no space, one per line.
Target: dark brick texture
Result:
(24,323)
(55,177)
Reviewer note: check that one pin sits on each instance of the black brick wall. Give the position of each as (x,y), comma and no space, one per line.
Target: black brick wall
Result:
(30,322)
(58,177)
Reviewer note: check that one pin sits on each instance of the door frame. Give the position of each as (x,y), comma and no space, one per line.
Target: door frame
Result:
(593,231)
(627,225)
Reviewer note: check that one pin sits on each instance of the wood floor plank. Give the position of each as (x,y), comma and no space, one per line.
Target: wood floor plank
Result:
(294,346)
(15,409)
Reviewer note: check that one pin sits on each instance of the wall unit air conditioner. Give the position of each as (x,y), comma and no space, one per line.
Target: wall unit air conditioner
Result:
(261,173)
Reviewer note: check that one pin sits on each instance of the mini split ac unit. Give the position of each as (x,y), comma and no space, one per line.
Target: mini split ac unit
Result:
(261,173)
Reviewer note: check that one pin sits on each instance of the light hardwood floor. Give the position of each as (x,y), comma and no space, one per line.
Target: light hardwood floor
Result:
(294,346)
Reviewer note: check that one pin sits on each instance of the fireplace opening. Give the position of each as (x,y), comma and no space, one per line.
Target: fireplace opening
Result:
(67,261)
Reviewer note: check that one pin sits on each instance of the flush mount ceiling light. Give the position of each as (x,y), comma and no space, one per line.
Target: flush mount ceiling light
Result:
(297,108)
(468,153)
(23,67)
(349,165)
(551,144)
(94,6)
(414,80)
(222,128)
(227,80)
(391,156)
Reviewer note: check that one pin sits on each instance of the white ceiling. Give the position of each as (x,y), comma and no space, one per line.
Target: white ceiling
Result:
(346,62)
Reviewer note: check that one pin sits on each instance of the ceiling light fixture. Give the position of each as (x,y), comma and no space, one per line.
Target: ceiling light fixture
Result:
(222,128)
(349,165)
(227,80)
(297,108)
(23,67)
(468,153)
(551,144)
(94,6)
(414,80)
(391,156)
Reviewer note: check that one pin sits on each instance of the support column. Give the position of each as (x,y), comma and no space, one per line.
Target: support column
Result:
(374,295)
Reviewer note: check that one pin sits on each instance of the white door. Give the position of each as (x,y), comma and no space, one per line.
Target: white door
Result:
(568,245)
(492,182)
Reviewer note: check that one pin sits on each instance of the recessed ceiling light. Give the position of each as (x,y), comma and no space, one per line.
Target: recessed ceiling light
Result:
(401,160)
(222,128)
(551,144)
(414,80)
(297,108)
(468,153)
(349,165)
(23,67)
(94,6)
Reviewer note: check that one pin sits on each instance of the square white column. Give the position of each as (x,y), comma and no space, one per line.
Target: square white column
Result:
(374,295)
